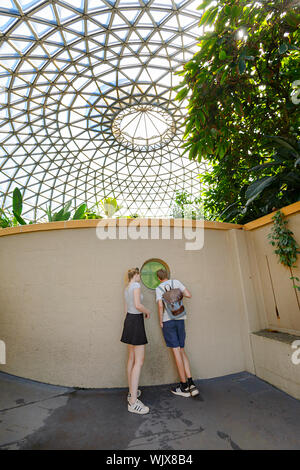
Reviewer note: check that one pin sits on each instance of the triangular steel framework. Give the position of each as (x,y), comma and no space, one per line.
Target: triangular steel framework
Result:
(68,69)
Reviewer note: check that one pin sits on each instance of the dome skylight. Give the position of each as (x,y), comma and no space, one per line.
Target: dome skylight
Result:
(143,127)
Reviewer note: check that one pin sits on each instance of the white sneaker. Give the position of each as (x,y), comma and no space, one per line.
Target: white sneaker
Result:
(139,393)
(138,407)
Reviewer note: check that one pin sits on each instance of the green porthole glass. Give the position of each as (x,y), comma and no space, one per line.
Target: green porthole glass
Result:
(148,272)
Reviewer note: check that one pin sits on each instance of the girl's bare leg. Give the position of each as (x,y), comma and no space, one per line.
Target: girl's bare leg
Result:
(130,362)
(139,354)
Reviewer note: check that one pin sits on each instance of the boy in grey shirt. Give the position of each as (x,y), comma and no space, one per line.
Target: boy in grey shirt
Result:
(174,335)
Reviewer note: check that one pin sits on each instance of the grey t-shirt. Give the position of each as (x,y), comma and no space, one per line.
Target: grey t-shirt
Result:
(177,285)
(130,299)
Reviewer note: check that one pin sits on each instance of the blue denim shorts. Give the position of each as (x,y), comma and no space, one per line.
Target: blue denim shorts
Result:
(174,333)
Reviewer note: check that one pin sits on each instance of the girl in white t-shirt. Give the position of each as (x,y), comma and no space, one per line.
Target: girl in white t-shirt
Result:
(135,336)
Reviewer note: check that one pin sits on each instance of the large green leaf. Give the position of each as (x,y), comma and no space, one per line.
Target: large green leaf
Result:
(205,18)
(17,201)
(182,94)
(19,219)
(262,166)
(80,212)
(203,4)
(242,66)
(257,187)
(282,141)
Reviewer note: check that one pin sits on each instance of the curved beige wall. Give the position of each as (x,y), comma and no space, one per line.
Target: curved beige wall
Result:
(61,298)
(278,300)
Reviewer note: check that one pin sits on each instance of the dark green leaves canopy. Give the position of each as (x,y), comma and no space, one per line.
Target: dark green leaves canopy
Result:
(241,91)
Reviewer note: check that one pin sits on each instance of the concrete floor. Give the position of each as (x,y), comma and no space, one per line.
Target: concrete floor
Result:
(237,411)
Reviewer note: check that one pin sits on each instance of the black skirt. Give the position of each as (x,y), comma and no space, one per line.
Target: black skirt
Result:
(134,330)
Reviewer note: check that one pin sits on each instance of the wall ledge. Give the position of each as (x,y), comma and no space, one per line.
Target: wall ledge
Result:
(93,223)
(150,222)
(277,336)
(267,219)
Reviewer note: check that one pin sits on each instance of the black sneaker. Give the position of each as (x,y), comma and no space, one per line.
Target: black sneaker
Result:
(180,390)
(193,389)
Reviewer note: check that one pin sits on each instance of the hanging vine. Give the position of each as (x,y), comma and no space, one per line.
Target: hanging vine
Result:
(287,248)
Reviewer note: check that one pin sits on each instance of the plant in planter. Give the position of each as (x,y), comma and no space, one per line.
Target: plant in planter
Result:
(62,214)
(109,206)
(81,212)
(185,206)
(11,220)
(286,246)
(5,220)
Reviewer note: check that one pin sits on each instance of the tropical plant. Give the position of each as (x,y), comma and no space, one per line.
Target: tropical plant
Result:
(5,220)
(62,214)
(80,212)
(287,249)
(240,90)
(279,184)
(109,206)
(10,220)
(89,214)
(186,206)
(18,206)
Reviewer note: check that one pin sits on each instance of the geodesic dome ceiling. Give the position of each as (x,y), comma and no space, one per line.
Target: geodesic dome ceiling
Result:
(87,106)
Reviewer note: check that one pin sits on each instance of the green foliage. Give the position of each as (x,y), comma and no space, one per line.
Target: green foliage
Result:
(17,201)
(287,248)
(109,206)
(281,184)
(18,207)
(80,212)
(89,214)
(10,220)
(4,220)
(240,85)
(282,238)
(62,214)
(186,206)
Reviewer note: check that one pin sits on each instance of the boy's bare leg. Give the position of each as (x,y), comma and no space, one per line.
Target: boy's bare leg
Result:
(180,364)
(186,363)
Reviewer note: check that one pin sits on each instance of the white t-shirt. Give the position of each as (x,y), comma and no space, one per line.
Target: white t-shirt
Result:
(129,298)
(159,293)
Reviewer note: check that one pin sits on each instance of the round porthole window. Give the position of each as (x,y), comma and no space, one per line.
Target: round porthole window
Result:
(148,272)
